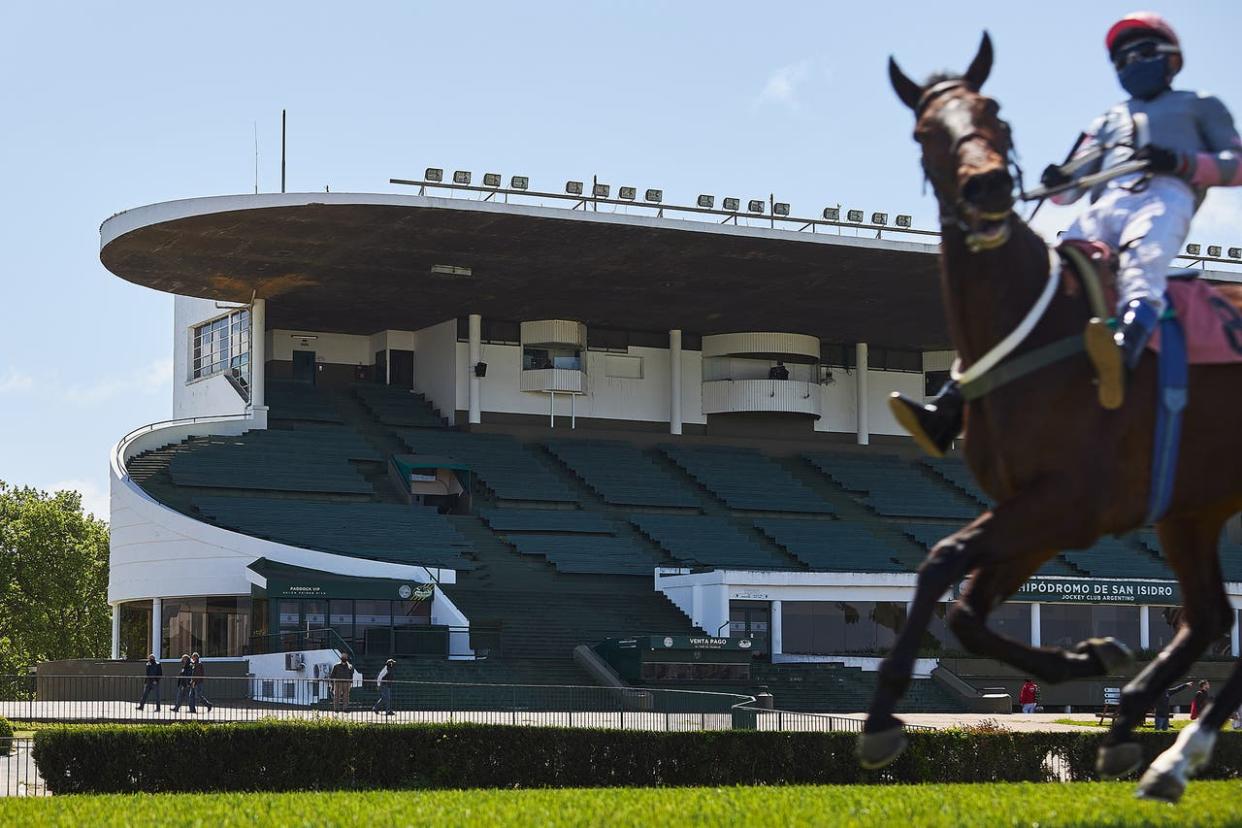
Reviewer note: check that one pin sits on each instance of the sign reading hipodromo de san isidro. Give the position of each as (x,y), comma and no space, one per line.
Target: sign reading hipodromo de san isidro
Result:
(1095,591)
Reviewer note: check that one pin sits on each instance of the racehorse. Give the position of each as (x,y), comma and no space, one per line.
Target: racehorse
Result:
(1062,470)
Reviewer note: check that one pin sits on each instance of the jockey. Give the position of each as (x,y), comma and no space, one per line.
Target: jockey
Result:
(1189,143)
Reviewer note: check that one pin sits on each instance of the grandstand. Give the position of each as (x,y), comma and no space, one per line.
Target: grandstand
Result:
(519,432)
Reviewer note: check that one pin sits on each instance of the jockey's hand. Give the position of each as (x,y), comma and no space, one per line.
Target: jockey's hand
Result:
(1054,176)
(1159,159)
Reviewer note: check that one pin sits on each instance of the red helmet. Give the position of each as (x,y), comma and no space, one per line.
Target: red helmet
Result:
(1140,23)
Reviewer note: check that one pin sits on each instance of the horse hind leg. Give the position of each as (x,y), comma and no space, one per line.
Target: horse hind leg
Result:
(1190,548)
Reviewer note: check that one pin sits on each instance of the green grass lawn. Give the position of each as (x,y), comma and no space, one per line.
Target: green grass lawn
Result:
(904,806)
(1174,724)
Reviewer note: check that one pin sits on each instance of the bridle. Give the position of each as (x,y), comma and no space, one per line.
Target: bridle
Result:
(960,212)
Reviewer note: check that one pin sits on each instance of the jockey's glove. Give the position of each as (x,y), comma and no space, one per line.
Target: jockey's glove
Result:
(1054,176)
(1160,160)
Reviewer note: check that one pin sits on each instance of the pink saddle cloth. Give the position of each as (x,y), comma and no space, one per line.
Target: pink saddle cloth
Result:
(1213,326)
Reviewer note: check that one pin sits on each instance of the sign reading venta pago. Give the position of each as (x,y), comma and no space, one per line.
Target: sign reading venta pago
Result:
(1097,591)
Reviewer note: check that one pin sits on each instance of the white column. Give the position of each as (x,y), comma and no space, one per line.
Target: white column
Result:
(476,354)
(1237,651)
(696,606)
(258,360)
(157,631)
(1144,628)
(674,404)
(116,631)
(775,630)
(1036,636)
(860,375)
(387,365)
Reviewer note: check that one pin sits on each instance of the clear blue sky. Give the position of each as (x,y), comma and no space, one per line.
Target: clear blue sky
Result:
(109,106)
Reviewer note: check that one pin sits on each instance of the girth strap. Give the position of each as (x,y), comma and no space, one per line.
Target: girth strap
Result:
(1020,366)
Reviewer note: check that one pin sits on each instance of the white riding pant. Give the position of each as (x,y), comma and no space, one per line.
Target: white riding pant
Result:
(1147,228)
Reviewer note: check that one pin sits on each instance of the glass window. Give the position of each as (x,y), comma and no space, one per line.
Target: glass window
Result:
(227,625)
(1162,626)
(222,345)
(1064,625)
(373,625)
(314,615)
(135,629)
(540,357)
(839,627)
(341,618)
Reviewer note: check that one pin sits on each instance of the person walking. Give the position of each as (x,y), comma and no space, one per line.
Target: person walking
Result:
(1201,700)
(152,682)
(1028,696)
(198,681)
(383,683)
(184,691)
(341,677)
(1164,704)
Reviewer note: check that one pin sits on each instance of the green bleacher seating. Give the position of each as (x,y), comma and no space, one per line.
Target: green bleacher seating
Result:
(396,406)
(832,545)
(315,460)
(506,466)
(289,400)
(1230,553)
(892,486)
(622,474)
(708,540)
(745,479)
(384,531)
(547,521)
(1115,558)
(956,472)
(589,554)
(929,534)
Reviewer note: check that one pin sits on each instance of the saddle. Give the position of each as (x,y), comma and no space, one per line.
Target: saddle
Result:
(1200,326)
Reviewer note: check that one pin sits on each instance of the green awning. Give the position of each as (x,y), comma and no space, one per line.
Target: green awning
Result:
(287,581)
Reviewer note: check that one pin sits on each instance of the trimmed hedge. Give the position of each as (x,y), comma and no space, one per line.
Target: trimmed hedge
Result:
(286,756)
(6,736)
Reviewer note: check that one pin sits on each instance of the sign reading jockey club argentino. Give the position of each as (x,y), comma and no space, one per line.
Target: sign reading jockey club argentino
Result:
(1095,591)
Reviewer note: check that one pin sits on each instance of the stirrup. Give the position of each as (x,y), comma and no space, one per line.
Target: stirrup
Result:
(1106,357)
(908,419)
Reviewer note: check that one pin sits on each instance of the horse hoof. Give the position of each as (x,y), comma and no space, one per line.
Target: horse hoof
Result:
(875,750)
(1116,761)
(1112,655)
(1164,786)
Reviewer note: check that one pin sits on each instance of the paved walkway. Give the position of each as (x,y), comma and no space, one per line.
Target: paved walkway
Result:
(1022,722)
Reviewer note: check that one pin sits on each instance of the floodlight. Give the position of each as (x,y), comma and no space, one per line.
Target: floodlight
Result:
(1214,251)
(654,195)
(627,193)
(832,213)
(491,179)
(461,177)
(601,190)
(1193,249)
(732,204)
(1235,252)
(433,174)
(879,218)
(854,215)
(707,201)
(755,205)
(573,187)
(903,221)
(519,182)
(780,208)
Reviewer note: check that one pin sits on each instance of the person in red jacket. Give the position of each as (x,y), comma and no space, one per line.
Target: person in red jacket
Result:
(1028,696)
(1201,700)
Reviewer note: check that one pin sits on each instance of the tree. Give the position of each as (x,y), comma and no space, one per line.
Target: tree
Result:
(53,579)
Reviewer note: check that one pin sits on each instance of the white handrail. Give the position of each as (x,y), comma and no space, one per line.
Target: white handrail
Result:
(118,453)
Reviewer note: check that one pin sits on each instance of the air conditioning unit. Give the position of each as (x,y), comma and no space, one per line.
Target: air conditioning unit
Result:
(295,662)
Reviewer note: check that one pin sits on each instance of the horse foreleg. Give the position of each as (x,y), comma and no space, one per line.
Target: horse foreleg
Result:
(1190,548)
(1020,522)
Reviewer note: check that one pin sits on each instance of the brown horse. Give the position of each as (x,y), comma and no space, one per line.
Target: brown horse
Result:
(1062,470)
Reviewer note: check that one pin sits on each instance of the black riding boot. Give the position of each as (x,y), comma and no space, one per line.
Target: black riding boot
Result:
(1116,354)
(935,425)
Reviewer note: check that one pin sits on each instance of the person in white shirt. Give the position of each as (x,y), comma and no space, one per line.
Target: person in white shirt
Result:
(383,683)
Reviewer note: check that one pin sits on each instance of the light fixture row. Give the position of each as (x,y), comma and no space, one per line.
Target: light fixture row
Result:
(1213,251)
(729,204)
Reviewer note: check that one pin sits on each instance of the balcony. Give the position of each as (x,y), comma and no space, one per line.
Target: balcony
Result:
(791,396)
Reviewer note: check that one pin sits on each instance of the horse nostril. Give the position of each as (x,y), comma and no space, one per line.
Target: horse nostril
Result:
(988,186)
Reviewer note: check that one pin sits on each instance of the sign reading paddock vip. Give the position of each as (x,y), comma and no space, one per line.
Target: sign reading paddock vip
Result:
(1095,591)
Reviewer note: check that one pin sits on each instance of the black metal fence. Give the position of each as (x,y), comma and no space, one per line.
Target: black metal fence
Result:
(18,774)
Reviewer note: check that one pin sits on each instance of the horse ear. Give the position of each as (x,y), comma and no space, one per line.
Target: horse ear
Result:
(981,66)
(906,89)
